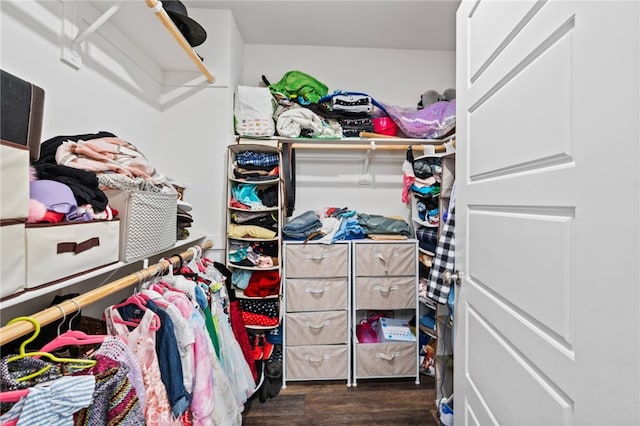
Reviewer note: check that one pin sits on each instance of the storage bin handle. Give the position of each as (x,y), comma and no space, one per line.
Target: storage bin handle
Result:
(388,357)
(384,262)
(317,326)
(316,256)
(385,291)
(316,359)
(315,291)
(77,248)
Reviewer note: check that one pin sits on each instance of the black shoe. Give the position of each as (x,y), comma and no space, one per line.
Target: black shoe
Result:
(273,366)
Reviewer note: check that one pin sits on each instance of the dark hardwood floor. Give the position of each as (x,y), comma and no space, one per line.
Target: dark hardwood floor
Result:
(388,402)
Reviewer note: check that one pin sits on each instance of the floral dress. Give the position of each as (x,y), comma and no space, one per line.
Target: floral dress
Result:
(141,341)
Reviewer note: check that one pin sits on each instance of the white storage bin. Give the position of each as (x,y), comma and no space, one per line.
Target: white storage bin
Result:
(318,362)
(317,328)
(14,181)
(56,252)
(12,258)
(319,294)
(317,260)
(149,221)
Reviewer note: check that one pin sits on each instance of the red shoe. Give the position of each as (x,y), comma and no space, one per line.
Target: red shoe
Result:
(267,347)
(256,350)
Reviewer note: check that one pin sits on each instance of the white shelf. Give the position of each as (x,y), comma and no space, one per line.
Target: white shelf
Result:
(349,142)
(256,182)
(255,240)
(48,289)
(141,22)
(253,268)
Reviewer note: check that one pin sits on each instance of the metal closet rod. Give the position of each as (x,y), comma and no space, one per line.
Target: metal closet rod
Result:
(18,329)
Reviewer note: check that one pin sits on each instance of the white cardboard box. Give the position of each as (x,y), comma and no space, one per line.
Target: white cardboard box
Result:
(393,330)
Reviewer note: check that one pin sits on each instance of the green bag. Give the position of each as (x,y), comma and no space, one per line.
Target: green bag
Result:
(296,84)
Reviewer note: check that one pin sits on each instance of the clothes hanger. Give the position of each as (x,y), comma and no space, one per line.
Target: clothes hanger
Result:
(23,354)
(72,337)
(137,300)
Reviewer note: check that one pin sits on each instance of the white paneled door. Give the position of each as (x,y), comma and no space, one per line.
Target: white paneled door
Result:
(547,322)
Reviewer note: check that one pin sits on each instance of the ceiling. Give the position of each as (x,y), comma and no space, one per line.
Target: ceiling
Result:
(386,24)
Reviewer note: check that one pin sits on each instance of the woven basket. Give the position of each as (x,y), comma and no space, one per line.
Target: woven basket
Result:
(148,222)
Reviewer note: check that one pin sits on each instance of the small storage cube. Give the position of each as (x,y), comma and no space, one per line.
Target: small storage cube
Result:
(317,328)
(58,251)
(320,362)
(385,292)
(14,181)
(386,359)
(320,294)
(381,259)
(12,258)
(316,260)
(149,222)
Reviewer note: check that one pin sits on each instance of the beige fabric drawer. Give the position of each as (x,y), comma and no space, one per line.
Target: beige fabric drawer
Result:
(59,251)
(14,181)
(385,292)
(380,259)
(12,258)
(317,328)
(320,362)
(320,294)
(386,359)
(316,260)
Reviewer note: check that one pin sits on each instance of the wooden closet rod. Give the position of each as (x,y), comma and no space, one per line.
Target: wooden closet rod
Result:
(372,141)
(175,32)
(11,332)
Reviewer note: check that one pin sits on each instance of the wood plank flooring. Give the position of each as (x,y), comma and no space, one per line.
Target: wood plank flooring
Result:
(383,402)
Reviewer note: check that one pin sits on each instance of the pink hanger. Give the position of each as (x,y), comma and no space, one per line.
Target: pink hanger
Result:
(139,302)
(71,337)
(13,396)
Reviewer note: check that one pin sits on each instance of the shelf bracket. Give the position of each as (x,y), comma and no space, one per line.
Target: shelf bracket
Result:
(365,177)
(71,42)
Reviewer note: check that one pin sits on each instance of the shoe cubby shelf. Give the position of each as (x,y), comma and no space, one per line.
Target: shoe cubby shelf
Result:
(235,244)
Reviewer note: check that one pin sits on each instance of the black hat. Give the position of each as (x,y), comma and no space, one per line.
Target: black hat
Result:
(190,29)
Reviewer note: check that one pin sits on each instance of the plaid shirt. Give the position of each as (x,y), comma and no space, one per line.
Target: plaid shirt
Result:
(254,158)
(443,261)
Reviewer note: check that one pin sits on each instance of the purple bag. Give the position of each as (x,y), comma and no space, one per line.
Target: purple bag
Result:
(432,122)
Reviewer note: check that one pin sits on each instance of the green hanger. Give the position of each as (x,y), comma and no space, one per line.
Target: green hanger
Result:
(84,363)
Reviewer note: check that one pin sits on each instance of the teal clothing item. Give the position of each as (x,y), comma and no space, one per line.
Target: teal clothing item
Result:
(377,224)
(296,84)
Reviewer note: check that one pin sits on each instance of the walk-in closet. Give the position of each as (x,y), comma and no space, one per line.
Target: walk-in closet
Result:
(319,212)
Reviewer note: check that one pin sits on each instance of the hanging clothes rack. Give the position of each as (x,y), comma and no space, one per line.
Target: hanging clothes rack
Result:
(11,332)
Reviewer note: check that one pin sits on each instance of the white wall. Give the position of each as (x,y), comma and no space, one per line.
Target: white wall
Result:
(398,77)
